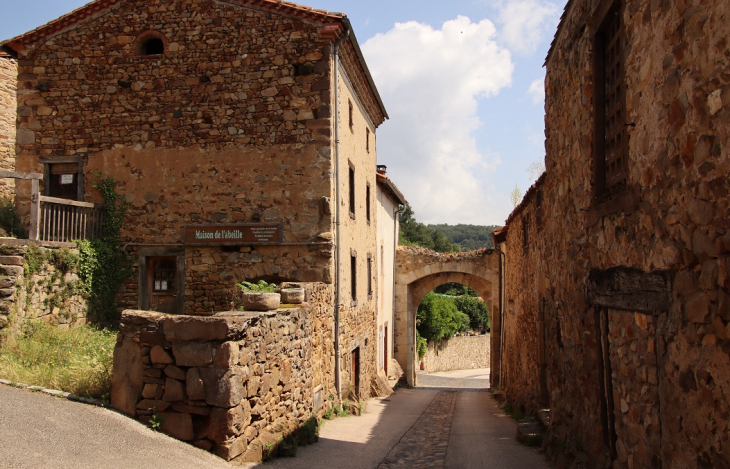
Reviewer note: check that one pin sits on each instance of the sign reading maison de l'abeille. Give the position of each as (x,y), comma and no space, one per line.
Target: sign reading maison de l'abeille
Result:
(240,233)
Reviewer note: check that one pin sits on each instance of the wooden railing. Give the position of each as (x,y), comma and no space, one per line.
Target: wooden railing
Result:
(58,220)
(63,220)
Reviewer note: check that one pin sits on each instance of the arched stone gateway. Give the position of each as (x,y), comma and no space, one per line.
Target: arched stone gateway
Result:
(418,271)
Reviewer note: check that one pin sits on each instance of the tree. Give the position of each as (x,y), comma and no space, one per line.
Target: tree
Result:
(477,311)
(438,318)
(516,196)
(413,233)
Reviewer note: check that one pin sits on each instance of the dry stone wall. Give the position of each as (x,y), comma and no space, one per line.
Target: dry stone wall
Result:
(8,107)
(233,383)
(458,353)
(658,249)
(33,287)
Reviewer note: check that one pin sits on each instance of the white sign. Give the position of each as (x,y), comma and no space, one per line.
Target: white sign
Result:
(67,179)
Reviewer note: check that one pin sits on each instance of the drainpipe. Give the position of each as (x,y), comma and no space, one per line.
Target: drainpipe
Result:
(338,250)
(503,312)
(396,215)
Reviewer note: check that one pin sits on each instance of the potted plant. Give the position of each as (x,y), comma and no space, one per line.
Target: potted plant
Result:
(261,296)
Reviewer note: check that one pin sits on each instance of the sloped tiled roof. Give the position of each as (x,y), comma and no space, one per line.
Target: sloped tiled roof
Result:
(100,6)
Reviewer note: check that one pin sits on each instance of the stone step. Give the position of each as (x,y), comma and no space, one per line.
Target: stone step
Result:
(529,432)
(12,260)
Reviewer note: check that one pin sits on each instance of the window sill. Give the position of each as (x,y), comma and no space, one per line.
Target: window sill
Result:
(353,303)
(352,215)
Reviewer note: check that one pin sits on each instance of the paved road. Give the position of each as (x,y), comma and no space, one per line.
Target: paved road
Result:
(40,431)
(449,421)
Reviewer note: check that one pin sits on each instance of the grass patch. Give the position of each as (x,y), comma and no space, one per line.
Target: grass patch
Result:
(77,360)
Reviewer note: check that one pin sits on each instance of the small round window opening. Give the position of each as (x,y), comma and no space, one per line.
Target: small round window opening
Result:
(153,46)
(150,43)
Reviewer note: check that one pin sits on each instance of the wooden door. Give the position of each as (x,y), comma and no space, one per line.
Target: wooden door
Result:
(355,378)
(162,284)
(385,351)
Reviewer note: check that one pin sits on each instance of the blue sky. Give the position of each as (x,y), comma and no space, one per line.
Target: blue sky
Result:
(462,83)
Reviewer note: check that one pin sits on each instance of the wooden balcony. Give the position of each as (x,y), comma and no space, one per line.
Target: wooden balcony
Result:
(63,220)
(59,221)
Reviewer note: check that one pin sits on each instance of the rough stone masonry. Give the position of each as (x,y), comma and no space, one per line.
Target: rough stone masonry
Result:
(618,314)
(233,383)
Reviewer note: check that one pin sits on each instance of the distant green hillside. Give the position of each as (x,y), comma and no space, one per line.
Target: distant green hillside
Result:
(467,237)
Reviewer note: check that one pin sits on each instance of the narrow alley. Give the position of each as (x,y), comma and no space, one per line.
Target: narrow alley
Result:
(449,421)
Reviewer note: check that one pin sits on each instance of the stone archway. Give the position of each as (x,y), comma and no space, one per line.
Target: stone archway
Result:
(419,271)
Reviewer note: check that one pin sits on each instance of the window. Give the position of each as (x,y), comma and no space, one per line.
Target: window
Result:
(370,276)
(367,203)
(611,136)
(367,139)
(353,278)
(64,179)
(349,105)
(150,43)
(352,192)
(526,232)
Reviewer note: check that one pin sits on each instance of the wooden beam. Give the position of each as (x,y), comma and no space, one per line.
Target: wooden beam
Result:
(73,203)
(628,289)
(16,175)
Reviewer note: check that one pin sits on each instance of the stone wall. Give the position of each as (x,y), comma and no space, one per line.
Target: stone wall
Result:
(458,353)
(35,285)
(233,383)
(8,107)
(632,288)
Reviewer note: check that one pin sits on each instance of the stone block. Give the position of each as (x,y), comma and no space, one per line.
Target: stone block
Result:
(188,328)
(190,409)
(153,404)
(193,353)
(227,355)
(175,372)
(178,426)
(159,355)
(194,385)
(174,391)
(127,381)
(230,449)
(150,391)
(223,388)
(225,424)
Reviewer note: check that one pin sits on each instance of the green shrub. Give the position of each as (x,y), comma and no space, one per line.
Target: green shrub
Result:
(421,346)
(438,318)
(10,220)
(477,311)
(261,287)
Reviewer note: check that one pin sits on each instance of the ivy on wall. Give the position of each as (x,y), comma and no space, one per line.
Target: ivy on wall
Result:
(103,267)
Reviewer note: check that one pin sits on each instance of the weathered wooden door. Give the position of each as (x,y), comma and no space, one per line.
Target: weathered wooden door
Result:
(355,378)
(162,284)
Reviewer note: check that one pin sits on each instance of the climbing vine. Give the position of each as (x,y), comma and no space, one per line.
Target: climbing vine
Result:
(103,267)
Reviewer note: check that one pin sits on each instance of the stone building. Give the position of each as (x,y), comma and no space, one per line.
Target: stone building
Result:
(390,203)
(617,286)
(241,133)
(8,106)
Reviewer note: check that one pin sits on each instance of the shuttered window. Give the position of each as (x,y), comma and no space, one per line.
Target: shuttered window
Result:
(610,131)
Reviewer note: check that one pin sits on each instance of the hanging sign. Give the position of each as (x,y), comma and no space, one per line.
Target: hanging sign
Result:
(240,233)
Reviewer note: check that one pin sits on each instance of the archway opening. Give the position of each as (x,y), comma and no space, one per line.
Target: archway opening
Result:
(452,337)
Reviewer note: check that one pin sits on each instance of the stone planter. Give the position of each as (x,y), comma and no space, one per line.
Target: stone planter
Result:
(292,296)
(261,301)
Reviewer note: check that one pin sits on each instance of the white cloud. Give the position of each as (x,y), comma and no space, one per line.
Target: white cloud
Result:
(525,23)
(536,91)
(430,81)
